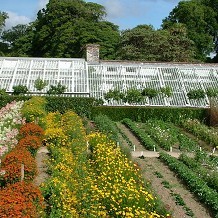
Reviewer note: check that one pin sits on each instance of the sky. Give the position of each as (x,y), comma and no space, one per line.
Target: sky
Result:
(126,14)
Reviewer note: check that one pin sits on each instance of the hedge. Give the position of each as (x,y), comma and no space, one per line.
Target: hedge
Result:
(81,105)
(84,106)
(142,114)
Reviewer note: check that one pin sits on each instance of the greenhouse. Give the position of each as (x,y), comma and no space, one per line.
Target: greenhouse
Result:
(82,78)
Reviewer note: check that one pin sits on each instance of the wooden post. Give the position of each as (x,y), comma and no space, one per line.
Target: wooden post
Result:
(171,149)
(154,149)
(214,149)
(133,147)
(22,172)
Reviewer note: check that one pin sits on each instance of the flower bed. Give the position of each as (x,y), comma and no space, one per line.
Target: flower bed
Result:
(196,185)
(100,182)
(11,120)
(18,199)
(203,132)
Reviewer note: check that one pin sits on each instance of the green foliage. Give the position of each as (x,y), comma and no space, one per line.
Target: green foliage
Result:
(133,96)
(82,106)
(3,92)
(142,114)
(64,28)
(34,110)
(56,90)
(209,176)
(20,90)
(145,138)
(212,92)
(114,95)
(196,185)
(144,43)
(150,93)
(167,91)
(196,94)
(200,20)
(39,84)
(3,17)
(107,126)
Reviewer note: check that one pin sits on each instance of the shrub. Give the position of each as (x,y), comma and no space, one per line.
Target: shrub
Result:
(19,90)
(31,143)
(56,90)
(34,110)
(11,163)
(149,92)
(31,129)
(20,200)
(40,84)
(196,94)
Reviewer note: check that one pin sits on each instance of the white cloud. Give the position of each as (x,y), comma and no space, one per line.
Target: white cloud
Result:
(15,19)
(42,3)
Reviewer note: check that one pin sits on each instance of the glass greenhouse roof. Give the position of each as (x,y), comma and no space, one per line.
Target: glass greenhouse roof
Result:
(84,79)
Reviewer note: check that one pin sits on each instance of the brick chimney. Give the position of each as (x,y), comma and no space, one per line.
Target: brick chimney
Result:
(92,53)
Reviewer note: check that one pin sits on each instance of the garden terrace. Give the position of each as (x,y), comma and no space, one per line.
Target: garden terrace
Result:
(82,78)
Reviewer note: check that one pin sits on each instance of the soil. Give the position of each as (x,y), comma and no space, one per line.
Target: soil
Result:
(151,166)
(41,159)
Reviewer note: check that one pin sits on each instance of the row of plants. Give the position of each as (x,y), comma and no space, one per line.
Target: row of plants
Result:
(144,138)
(142,114)
(168,135)
(177,197)
(98,181)
(134,95)
(39,85)
(110,128)
(11,121)
(201,131)
(90,107)
(18,196)
(209,176)
(196,185)
(120,186)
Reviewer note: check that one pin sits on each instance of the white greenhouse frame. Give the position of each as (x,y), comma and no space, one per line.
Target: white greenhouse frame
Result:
(95,80)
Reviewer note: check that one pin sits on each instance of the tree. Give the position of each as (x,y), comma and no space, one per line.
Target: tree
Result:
(19,39)
(3,46)
(144,43)
(200,21)
(65,27)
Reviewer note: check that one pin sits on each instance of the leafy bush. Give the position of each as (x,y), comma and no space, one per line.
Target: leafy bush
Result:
(196,94)
(11,163)
(39,84)
(56,90)
(31,143)
(167,91)
(34,110)
(150,93)
(20,200)
(3,92)
(114,95)
(211,92)
(20,90)
(82,106)
(133,96)
(31,129)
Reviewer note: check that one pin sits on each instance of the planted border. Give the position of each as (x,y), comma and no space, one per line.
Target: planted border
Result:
(196,185)
(145,139)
